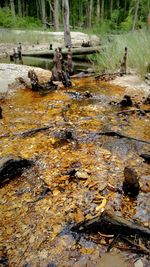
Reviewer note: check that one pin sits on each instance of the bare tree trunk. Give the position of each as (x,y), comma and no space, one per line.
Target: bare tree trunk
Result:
(12,7)
(37,9)
(43,11)
(23,8)
(98,10)
(111,7)
(90,14)
(125,5)
(51,11)
(148,21)
(19,8)
(6,3)
(135,15)
(56,20)
(102,11)
(67,36)
(27,8)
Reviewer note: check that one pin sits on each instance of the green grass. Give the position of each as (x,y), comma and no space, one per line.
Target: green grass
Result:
(25,36)
(138,44)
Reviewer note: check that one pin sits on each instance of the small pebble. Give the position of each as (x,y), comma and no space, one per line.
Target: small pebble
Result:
(138,263)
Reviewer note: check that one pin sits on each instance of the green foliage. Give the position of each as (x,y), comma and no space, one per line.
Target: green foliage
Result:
(7,21)
(126,25)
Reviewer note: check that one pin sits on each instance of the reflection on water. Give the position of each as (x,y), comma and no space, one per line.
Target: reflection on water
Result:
(45,63)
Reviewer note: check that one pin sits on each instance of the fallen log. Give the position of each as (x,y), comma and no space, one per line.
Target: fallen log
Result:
(109,223)
(74,51)
(112,133)
(34,131)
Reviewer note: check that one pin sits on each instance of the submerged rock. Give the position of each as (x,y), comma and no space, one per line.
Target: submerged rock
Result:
(126,101)
(131,185)
(10,167)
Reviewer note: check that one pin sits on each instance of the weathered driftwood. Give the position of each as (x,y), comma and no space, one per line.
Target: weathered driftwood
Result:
(75,51)
(110,223)
(34,131)
(10,167)
(112,133)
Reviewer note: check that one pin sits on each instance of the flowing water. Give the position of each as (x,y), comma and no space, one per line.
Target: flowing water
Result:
(31,222)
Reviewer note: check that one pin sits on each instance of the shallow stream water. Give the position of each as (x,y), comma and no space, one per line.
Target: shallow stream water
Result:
(31,224)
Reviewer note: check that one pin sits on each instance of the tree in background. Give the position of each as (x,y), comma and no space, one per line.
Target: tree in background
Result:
(67,35)
(12,8)
(109,15)
(56,16)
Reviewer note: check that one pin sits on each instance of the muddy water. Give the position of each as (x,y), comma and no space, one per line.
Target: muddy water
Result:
(31,222)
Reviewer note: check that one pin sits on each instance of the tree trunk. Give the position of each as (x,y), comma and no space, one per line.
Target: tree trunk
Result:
(19,8)
(6,3)
(12,7)
(102,11)
(27,8)
(23,8)
(90,14)
(43,11)
(135,15)
(37,9)
(67,36)
(111,7)
(148,21)
(56,20)
(98,10)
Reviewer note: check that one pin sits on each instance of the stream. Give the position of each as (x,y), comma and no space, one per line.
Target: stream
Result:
(31,224)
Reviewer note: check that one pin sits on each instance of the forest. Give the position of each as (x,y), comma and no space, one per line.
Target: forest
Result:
(96,15)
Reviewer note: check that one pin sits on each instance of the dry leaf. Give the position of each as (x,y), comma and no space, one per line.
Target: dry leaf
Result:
(101,206)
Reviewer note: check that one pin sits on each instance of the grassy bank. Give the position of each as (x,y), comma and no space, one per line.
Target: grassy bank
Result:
(138,44)
(25,36)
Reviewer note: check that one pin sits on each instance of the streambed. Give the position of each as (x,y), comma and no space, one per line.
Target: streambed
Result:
(30,225)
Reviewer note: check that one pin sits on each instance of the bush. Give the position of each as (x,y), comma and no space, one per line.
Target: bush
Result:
(7,21)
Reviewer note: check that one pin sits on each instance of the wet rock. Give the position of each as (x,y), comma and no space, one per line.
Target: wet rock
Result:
(82,175)
(131,185)
(126,101)
(11,167)
(78,95)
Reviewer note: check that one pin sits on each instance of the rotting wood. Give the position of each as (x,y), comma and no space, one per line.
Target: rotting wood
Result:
(110,223)
(112,133)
